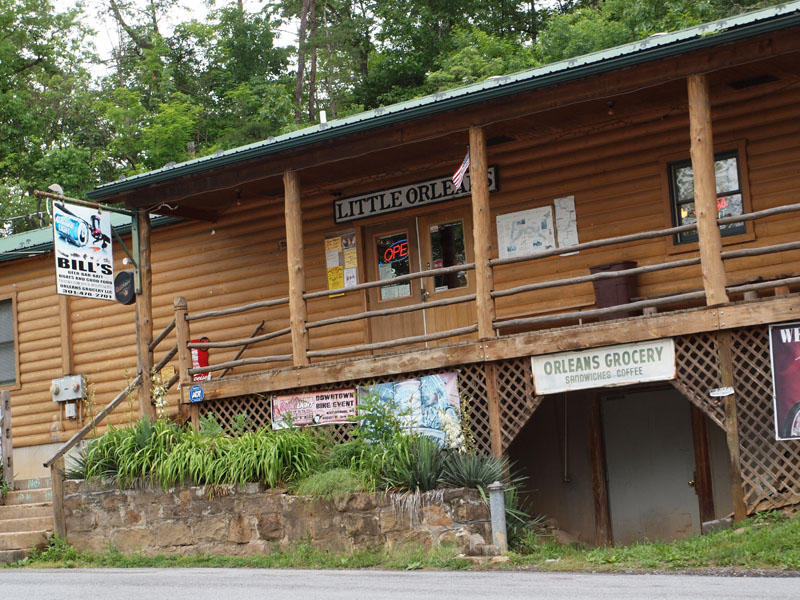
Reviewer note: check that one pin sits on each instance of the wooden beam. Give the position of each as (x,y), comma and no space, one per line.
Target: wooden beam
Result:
(604,333)
(481,232)
(597,460)
(495,431)
(702,465)
(705,190)
(183,336)
(298,312)
(6,439)
(144,316)
(57,483)
(725,357)
(65,325)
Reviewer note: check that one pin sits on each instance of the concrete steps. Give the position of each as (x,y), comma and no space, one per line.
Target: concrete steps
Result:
(26,518)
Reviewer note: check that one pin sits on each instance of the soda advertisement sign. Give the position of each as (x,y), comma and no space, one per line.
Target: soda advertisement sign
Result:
(784,354)
(607,366)
(84,255)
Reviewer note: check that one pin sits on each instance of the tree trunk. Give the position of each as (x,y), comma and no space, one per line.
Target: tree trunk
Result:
(301,62)
(312,76)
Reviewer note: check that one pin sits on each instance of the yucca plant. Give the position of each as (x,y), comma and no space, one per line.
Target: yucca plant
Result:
(464,469)
(415,464)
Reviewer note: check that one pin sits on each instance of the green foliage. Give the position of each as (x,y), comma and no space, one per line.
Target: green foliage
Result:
(4,489)
(415,464)
(163,453)
(462,469)
(478,55)
(379,421)
(330,485)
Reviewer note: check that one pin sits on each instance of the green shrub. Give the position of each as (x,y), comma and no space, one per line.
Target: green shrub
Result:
(331,485)
(462,469)
(414,464)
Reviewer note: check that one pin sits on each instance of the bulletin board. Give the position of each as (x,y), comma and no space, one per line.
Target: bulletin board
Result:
(341,261)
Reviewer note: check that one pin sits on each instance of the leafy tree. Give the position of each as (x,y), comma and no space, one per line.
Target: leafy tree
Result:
(478,55)
(42,53)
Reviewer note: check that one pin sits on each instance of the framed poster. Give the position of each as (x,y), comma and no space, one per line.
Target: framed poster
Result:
(784,354)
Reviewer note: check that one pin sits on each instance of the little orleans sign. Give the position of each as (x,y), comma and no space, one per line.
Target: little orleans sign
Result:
(604,367)
(404,196)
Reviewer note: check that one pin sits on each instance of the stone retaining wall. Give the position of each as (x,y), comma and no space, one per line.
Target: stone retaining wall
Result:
(249,520)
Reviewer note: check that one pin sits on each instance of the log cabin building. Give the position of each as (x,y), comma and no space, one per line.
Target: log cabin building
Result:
(642,197)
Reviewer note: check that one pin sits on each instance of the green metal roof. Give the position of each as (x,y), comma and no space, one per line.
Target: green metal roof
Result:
(655,47)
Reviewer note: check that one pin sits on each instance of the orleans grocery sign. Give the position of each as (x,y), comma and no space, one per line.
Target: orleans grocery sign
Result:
(606,366)
(404,196)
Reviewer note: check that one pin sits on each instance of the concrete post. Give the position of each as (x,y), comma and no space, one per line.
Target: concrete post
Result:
(497,509)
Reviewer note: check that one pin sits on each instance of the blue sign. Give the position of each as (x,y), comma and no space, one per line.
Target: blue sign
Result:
(196,394)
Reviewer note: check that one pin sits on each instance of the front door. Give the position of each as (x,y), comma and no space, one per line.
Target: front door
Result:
(392,250)
(650,464)
(418,244)
(445,241)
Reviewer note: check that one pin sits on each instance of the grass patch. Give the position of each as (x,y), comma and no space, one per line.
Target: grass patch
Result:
(767,541)
(302,555)
(770,540)
(331,485)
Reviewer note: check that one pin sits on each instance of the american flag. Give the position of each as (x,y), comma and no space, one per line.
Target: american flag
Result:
(458,176)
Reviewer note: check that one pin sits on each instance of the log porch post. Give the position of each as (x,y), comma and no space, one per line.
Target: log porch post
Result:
(705,190)
(184,359)
(298,313)
(481,231)
(710,242)
(144,312)
(484,278)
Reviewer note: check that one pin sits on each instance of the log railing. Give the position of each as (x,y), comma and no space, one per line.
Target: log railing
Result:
(255,339)
(687,296)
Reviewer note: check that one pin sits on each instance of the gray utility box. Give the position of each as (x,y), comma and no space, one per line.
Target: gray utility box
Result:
(68,389)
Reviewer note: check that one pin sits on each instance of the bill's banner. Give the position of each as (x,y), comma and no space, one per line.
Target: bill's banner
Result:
(84,257)
(784,351)
(313,408)
(606,366)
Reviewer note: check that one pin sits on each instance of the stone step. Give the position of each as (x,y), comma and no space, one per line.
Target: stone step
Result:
(36,483)
(26,524)
(34,496)
(26,511)
(24,540)
(10,556)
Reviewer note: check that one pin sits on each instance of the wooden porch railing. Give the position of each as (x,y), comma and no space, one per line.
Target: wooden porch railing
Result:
(683,297)
(686,296)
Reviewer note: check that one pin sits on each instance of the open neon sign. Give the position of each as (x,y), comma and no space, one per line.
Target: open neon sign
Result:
(397,251)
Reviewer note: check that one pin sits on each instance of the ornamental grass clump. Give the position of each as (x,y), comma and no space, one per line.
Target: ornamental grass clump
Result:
(167,454)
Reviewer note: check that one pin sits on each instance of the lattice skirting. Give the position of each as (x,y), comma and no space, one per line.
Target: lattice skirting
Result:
(514,384)
(770,469)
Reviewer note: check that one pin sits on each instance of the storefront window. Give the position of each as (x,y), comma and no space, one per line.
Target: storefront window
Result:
(729,194)
(393,260)
(447,249)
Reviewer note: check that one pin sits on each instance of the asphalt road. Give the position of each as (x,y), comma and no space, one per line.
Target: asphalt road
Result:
(250,584)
